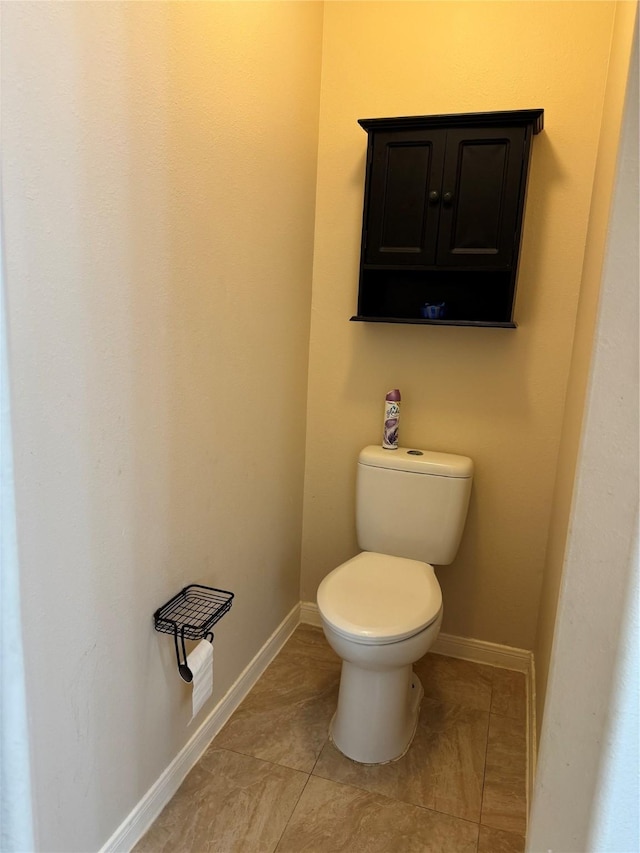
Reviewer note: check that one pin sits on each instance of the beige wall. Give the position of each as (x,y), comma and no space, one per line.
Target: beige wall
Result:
(496,395)
(597,233)
(159,177)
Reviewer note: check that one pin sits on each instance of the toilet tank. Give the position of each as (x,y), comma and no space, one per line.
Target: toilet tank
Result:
(412,503)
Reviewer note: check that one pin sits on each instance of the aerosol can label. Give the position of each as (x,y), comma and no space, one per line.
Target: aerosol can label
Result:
(391,422)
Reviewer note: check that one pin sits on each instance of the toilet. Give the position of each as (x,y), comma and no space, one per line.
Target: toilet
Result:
(381,611)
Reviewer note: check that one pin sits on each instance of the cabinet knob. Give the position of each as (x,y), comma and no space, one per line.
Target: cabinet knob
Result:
(447,198)
(434,196)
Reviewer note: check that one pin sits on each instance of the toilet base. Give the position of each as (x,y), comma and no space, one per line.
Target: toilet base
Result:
(377,713)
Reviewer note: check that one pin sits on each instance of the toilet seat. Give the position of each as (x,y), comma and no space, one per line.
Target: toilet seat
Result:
(375,599)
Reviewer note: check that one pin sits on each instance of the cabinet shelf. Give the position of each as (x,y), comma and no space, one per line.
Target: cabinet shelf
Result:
(420,321)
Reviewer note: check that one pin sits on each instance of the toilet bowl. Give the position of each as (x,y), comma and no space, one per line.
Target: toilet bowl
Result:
(380,614)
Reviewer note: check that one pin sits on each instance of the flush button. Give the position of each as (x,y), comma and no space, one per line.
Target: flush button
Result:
(415,453)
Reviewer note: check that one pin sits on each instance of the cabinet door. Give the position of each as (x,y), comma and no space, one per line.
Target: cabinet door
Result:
(480,197)
(404,197)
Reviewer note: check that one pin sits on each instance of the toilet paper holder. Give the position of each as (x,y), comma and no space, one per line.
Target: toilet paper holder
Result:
(190,615)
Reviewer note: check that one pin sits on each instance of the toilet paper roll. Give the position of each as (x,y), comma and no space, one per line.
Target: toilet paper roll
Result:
(200,662)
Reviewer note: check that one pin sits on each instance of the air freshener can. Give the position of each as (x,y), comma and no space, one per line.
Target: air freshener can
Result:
(391,420)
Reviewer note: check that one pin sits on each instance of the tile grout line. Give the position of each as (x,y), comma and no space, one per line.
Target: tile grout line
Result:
(257,758)
(389,797)
(431,810)
(315,763)
(295,806)
(484,769)
(284,766)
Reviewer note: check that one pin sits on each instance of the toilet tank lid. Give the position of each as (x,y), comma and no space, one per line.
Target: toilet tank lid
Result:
(417,461)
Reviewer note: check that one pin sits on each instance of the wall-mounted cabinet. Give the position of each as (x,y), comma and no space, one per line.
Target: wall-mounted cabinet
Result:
(443,207)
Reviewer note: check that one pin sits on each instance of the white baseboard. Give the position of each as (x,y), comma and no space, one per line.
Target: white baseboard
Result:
(480,651)
(143,815)
(309,614)
(532,735)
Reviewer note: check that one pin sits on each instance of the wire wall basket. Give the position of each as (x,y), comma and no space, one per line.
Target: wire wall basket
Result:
(190,615)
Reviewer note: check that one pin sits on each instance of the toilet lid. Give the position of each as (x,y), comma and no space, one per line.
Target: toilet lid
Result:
(376,598)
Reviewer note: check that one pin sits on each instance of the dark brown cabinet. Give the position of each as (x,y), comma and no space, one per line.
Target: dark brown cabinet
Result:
(443,207)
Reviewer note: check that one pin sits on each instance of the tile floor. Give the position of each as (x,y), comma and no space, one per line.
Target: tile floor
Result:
(272,781)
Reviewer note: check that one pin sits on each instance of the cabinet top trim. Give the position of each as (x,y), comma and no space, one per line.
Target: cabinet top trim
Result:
(509,118)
